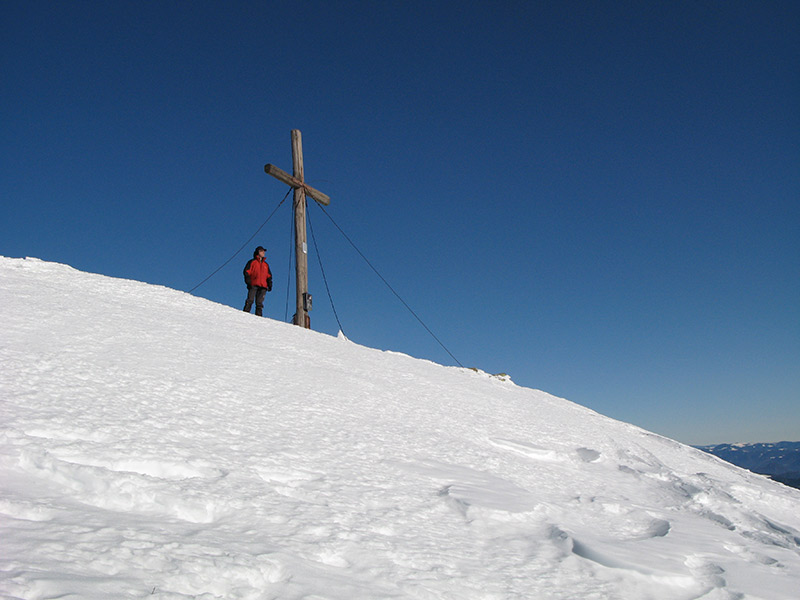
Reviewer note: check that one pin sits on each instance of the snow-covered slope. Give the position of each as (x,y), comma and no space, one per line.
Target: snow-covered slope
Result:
(154,444)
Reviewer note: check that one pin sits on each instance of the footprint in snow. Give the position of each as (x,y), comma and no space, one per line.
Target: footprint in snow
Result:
(286,475)
(529,450)
(587,455)
(128,491)
(293,483)
(68,435)
(25,511)
(706,571)
(148,466)
(532,451)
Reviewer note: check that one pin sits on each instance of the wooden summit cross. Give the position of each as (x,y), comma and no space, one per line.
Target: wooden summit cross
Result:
(301,190)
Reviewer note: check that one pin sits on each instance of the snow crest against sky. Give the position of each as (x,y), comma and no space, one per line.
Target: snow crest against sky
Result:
(600,198)
(155,444)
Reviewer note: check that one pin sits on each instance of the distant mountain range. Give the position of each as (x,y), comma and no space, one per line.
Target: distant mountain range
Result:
(781,460)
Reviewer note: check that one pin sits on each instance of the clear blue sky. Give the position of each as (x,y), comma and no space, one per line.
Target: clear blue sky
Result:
(601,199)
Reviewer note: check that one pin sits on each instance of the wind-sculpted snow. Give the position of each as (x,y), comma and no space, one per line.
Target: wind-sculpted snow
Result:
(154,444)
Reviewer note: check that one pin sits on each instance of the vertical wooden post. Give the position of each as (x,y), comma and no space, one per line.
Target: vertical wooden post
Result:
(301,246)
(301,190)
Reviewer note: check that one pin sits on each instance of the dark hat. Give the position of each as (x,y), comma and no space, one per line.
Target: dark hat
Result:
(257,250)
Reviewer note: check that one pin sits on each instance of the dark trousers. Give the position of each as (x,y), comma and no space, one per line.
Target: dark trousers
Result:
(255,293)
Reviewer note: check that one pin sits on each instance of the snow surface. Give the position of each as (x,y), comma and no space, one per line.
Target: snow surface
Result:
(154,444)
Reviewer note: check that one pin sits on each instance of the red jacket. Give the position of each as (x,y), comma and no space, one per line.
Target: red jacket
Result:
(257,273)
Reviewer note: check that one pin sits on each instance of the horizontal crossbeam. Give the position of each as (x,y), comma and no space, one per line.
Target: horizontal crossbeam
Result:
(283,176)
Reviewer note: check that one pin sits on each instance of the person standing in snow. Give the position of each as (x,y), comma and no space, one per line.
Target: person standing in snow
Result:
(258,278)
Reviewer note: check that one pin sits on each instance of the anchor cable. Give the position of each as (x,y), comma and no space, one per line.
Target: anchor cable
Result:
(416,316)
(243,245)
(289,270)
(325,279)
(322,269)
